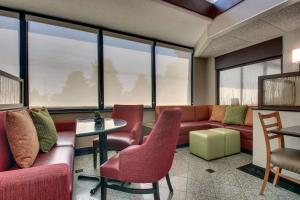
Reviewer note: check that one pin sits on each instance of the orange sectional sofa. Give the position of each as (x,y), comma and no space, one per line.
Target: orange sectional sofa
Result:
(197,118)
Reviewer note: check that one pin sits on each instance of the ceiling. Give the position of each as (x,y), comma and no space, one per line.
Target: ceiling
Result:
(268,27)
(151,18)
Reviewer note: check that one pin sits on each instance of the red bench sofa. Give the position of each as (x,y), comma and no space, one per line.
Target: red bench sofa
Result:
(50,177)
(197,118)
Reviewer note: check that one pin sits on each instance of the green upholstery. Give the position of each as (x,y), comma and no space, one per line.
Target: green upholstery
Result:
(232,140)
(235,115)
(207,144)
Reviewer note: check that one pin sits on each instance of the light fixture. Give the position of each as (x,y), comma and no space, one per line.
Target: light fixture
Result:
(296,56)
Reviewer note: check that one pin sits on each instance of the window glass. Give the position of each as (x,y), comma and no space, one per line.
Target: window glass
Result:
(127,72)
(9,45)
(63,66)
(173,76)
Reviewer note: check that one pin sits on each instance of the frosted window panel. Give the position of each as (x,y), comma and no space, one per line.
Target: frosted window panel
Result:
(230,86)
(127,72)
(9,91)
(63,70)
(173,77)
(9,45)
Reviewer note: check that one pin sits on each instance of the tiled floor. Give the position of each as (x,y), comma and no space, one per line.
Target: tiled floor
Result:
(191,181)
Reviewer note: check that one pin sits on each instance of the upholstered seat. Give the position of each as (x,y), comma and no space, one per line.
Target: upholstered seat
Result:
(118,140)
(287,159)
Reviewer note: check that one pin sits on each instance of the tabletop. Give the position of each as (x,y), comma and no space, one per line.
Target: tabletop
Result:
(289,131)
(88,127)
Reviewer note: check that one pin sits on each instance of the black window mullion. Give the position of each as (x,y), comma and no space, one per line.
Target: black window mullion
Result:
(192,79)
(24,56)
(100,70)
(153,71)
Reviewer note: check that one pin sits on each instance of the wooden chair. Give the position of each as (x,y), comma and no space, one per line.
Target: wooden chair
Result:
(281,157)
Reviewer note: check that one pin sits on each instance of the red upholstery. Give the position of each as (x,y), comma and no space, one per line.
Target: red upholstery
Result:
(6,157)
(186,127)
(200,121)
(151,161)
(131,133)
(51,175)
(43,182)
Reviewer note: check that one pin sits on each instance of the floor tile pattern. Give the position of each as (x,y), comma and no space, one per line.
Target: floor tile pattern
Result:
(191,181)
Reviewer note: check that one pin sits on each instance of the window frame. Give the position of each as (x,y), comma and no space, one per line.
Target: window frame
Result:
(243,65)
(23,57)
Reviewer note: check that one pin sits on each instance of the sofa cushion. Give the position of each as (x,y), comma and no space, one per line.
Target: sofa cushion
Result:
(6,158)
(249,117)
(66,138)
(45,128)
(215,124)
(218,113)
(201,113)
(186,127)
(235,115)
(188,113)
(246,131)
(22,137)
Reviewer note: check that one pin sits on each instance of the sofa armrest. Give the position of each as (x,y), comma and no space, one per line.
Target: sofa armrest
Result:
(42,182)
(62,126)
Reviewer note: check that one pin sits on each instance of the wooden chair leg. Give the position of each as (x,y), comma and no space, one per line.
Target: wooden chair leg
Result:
(169,183)
(266,178)
(276,179)
(156,191)
(95,156)
(103,189)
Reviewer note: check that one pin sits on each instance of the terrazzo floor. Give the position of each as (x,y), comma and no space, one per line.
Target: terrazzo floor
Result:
(190,181)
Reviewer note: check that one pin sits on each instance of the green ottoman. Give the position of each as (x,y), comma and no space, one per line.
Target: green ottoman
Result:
(207,144)
(232,140)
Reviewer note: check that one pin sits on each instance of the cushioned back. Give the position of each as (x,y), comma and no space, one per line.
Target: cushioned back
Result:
(6,158)
(201,112)
(132,114)
(188,112)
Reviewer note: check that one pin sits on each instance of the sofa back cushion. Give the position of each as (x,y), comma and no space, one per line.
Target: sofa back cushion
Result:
(201,112)
(235,115)
(22,137)
(188,112)
(6,158)
(218,113)
(249,117)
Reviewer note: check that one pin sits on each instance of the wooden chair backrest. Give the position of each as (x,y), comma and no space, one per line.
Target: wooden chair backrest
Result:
(267,127)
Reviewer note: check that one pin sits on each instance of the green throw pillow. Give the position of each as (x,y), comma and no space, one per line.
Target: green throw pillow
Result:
(45,128)
(235,115)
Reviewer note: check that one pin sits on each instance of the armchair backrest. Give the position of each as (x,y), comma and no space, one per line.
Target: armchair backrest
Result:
(132,114)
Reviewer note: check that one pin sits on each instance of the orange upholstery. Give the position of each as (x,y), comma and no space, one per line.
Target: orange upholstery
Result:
(249,117)
(188,112)
(218,113)
(201,113)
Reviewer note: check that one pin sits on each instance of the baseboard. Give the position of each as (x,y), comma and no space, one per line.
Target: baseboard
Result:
(259,172)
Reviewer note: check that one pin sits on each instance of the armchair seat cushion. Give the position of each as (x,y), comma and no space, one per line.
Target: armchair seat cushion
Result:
(286,158)
(186,127)
(117,140)
(66,138)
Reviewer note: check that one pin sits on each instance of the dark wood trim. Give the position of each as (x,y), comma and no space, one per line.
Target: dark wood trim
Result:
(262,51)
(261,106)
(204,7)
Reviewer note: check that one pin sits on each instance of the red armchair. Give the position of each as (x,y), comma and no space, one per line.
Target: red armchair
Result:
(146,163)
(127,136)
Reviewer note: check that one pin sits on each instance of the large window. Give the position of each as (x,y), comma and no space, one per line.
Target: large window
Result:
(240,85)
(63,66)
(173,76)
(127,70)
(9,44)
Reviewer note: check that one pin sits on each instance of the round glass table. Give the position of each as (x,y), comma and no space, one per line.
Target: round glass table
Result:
(88,127)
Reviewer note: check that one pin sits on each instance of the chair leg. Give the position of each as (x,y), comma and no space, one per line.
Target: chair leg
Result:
(266,178)
(276,179)
(156,191)
(103,189)
(95,156)
(169,183)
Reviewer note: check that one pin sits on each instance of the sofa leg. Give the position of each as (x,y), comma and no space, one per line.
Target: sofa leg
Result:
(95,156)
(156,191)
(169,183)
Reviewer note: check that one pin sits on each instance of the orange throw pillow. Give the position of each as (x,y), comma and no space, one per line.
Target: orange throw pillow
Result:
(22,137)
(249,117)
(218,113)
